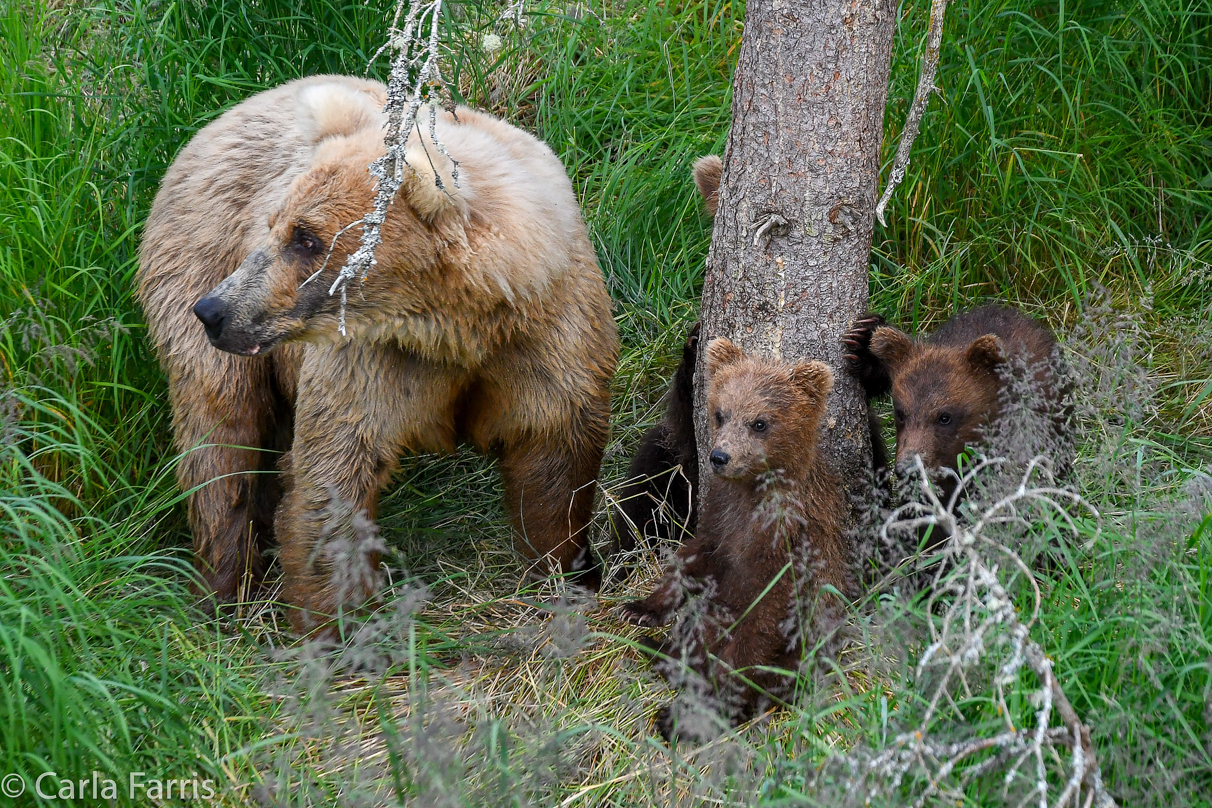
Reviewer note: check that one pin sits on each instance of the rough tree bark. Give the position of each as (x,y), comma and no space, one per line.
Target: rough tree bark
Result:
(788,266)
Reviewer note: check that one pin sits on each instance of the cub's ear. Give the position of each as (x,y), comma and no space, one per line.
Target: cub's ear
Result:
(707,171)
(891,346)
(987,352)
(721,352)
(813,380)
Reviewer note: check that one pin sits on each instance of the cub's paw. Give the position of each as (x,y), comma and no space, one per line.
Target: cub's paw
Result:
(665,724)
(860,362)
(652,647)
(678,721)
(856,343)
(638,613)
(690,348)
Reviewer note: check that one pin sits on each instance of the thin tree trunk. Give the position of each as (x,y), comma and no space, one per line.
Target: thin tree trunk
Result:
(788,266)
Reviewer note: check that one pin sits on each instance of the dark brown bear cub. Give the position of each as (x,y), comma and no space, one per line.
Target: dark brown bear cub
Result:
(657,499)
(769,558)
(950,390)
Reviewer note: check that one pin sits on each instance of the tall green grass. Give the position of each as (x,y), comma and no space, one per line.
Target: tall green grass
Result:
(1071,148)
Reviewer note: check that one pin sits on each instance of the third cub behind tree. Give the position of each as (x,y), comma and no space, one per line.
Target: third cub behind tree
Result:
(770,556)
(657,499)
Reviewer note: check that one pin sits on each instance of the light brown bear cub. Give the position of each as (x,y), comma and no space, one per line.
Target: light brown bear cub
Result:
(770,537)
(484,321)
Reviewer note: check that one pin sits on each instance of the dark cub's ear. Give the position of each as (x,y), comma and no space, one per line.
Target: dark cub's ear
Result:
(707,171)
(813,380)
(722,352)
(890,346)
(987,352)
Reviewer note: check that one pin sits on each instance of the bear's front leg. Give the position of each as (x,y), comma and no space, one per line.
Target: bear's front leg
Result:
(692,562)
(357,409)
(227,417)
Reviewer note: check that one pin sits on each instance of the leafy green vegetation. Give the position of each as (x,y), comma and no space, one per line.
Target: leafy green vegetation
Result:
(1070,151)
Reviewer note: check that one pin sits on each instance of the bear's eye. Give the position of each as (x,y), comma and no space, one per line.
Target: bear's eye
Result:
(758,426)
(305,241)
(944,419)
(719,417)
(899,414)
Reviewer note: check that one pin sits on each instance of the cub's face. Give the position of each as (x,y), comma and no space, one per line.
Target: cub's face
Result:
(280,292)
(942,397)
(764,415)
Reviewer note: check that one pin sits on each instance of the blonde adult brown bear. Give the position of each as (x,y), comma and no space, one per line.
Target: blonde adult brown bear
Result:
(485,321)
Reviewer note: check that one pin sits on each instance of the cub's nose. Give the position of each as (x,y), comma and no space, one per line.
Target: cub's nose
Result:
(719,459)
(907,465)
(212,312)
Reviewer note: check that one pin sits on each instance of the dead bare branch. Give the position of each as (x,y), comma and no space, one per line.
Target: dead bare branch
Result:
(972,613)
(921,97)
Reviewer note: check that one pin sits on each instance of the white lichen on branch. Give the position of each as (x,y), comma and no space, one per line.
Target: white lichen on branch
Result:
(971,612)
(921,97)
(415,81)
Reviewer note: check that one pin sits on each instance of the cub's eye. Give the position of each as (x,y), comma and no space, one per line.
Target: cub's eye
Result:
(899,414)
(758,426)
(305,241)
(719,418)
(944,419)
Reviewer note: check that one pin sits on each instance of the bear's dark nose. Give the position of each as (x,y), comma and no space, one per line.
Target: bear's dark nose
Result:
(719,459)
(211,311)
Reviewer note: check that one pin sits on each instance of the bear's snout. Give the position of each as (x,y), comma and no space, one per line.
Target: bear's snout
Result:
(212,312)
(719,459)
(907,464)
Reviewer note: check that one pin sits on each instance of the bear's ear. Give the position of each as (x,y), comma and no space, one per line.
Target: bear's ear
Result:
(812,379)
(722,352)
(707,171)
(335,109)
(429,187)
(891,346)
(987,352)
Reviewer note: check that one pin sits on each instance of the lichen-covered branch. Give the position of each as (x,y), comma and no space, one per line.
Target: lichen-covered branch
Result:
(972,614)
(921,97)
(416,80)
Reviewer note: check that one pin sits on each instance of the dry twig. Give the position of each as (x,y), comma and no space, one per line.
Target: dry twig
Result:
(974,613)
(416,79)
(921,97)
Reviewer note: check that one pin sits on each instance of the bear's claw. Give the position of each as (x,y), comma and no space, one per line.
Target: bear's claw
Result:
(638,614)
(856,344)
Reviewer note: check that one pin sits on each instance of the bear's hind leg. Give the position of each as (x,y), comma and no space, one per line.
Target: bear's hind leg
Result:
(549,488)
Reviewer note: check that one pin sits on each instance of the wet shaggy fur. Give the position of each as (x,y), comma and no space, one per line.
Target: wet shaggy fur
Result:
(658,498)
(485,321)
(770,539)
(950,388)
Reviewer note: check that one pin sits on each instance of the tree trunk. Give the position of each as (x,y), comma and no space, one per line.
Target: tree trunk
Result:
(787,272)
